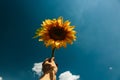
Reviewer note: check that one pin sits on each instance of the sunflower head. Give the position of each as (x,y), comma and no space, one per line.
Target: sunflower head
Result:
(56,33)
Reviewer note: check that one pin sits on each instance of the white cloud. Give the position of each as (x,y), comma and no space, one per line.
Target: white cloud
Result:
(110,68)
(1,78)
(68,76)
(37,68)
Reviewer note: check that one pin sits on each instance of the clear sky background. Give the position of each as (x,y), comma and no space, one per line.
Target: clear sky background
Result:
(94,56)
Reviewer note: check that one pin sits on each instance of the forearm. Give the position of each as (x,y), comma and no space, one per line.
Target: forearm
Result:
(45,77)
(48,76)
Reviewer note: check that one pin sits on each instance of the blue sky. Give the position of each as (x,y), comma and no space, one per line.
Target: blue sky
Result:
(98,38)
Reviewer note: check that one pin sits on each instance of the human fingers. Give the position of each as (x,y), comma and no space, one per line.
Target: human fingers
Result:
(52,59)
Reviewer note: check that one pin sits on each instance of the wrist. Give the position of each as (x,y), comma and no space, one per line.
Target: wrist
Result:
(49,76)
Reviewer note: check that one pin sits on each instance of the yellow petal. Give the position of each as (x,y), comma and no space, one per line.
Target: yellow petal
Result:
(64,44)
(67,23)
(60,21)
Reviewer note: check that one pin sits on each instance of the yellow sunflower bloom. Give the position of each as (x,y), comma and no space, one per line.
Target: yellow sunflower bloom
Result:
(56,33)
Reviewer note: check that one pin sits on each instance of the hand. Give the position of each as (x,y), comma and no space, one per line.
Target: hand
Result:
(49,65)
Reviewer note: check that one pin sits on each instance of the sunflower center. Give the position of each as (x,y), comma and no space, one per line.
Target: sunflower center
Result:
(57,33)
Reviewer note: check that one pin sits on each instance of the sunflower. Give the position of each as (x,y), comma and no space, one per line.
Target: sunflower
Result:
(56,33)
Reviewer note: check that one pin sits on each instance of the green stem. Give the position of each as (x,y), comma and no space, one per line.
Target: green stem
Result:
(53,52)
